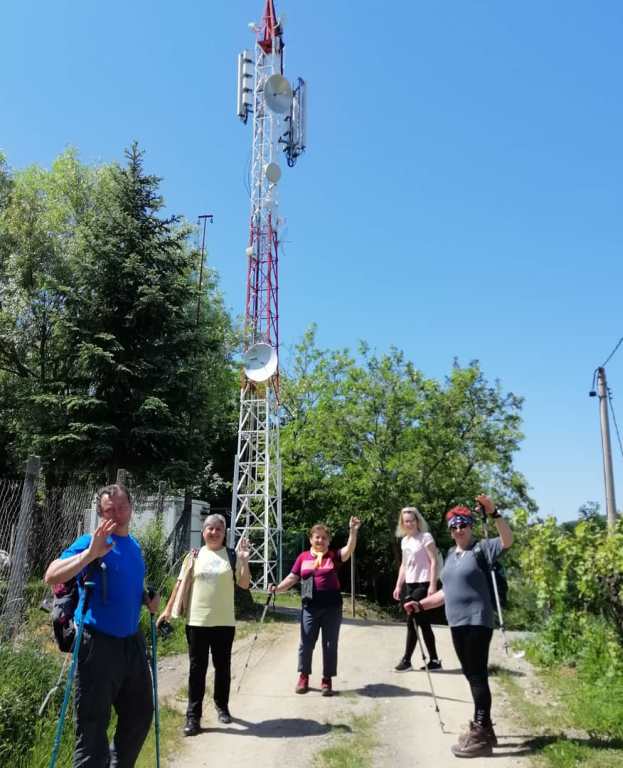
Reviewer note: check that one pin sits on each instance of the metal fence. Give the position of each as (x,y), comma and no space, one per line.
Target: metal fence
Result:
(37,523)
(35,526)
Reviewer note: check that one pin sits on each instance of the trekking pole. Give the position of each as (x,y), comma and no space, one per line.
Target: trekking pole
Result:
(55,688)
(430,681)
(271,595)
(494,581)
(154,682)
(88,587)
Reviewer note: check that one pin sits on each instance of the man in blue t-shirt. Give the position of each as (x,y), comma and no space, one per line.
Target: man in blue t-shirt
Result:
(112,663)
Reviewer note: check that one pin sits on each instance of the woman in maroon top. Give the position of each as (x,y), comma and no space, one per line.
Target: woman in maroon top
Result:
(316,569)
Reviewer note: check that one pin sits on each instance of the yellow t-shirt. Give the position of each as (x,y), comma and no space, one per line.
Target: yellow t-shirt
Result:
(212,591)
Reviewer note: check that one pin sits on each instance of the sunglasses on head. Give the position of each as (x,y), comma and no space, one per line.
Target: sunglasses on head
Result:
(458,527)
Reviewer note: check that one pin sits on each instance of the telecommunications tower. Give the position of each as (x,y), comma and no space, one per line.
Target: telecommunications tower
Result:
(279,116)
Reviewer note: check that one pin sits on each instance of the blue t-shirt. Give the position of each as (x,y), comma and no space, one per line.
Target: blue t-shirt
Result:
(465,586)
(119,613)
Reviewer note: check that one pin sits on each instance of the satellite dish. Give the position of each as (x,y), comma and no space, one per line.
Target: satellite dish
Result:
(278,94)
(260,362)
(273,172)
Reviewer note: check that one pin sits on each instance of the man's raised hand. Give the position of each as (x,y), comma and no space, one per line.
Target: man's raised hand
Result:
(99,546)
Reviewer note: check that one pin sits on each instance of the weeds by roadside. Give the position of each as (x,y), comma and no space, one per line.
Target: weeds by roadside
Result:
(557,719)
(351,746)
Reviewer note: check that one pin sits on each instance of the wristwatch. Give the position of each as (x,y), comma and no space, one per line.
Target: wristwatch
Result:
(495,514)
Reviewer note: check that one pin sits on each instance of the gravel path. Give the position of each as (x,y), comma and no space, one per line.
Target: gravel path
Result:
(273,726)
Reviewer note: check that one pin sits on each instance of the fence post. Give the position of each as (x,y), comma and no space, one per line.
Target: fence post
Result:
(162,486)
(13,605)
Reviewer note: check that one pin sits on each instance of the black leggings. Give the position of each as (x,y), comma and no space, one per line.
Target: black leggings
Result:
(471,644)
(202,640)
(418,591)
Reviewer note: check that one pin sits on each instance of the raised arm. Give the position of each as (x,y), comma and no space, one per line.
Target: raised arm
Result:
(61,570)
(353,528)
(503,528)
(244,575)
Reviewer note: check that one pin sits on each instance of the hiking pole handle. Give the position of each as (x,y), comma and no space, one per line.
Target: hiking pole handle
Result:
(269,597)
(480,510)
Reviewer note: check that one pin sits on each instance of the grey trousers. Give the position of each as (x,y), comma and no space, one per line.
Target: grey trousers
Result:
(313,619)
(112,672)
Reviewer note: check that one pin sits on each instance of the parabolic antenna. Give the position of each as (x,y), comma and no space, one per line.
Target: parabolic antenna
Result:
(278,94)
(273,172)
(260,362)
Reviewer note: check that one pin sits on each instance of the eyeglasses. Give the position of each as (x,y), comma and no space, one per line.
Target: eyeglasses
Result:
(458,527)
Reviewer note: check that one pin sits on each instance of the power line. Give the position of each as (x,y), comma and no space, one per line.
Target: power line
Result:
(611,355)
(614,419)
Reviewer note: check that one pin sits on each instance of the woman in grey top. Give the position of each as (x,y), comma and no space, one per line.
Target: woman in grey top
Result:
(470,615)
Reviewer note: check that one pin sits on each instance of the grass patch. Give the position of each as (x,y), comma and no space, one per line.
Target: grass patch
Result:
(350,747)
(558,720)
(171,723)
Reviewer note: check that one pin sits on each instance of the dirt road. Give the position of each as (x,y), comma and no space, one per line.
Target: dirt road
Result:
(275,727)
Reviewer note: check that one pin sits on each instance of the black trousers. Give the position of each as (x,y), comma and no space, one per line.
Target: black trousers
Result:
(418,591)
(202,640)
(471,644)
(111,672)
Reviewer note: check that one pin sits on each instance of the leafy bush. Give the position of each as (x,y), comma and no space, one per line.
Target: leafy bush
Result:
(27,675)
(152,539)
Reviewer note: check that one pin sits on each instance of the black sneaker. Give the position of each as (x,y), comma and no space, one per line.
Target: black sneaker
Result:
(403,665)
(432,665)
(192,727)
(223,716)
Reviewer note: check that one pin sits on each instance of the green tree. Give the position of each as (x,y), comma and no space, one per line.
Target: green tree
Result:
(367,436)
(114,356)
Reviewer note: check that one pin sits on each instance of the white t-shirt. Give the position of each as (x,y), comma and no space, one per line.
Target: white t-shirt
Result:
(415,559)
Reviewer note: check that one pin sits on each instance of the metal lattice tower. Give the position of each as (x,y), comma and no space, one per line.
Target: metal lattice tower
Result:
(278,126)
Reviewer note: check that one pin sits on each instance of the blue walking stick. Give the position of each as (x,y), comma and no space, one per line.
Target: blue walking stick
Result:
(154,680)
(88,586)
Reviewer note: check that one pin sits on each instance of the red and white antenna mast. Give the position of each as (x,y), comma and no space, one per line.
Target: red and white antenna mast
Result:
(279,118)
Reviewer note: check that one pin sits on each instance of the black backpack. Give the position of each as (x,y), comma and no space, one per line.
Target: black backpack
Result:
(231,554)
(500,576)
(65,602)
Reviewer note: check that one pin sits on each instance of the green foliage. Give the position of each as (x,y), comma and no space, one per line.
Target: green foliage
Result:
(574,575)
(366,436)
(110,355)
(152,539)
(572,572)
(27,675)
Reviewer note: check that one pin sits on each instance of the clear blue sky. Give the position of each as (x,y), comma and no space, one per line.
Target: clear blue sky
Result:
(462,194)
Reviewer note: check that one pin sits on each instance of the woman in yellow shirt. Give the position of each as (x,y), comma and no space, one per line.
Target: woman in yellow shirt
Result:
(209,576)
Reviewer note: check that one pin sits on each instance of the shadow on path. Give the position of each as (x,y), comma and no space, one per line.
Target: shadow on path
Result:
(280,728)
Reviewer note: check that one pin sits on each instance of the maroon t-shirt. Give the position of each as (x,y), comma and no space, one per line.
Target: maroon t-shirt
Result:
(326,581)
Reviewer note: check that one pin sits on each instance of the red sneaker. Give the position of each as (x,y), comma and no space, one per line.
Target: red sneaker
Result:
(302,684)
(326,687)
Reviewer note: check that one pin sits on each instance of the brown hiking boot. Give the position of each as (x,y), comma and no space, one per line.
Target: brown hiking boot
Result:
(465,735)
(493,739)
(477,743)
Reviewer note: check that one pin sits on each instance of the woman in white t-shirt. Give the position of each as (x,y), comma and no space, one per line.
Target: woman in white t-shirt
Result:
(417,575)
(206,586)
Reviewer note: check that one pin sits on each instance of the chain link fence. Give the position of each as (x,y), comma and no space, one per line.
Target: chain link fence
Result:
(37,523)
